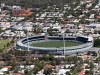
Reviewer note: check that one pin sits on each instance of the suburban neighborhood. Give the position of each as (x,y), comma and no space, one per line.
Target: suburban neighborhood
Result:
(30,31)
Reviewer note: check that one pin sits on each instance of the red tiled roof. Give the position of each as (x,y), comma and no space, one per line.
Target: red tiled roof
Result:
(8,67)
(97,16)
(24,13)
(81,73)
(18,74)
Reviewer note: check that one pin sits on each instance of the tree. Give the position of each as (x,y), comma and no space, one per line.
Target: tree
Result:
(1,30)
(8,44)
(38,30)
(91,65)
(51,58)
(98,20)
(95,31)
(96,42)
(6,56)
(58,61)
(88,72)
(38,67)
(26,71)
(48,69)
(68,73)
(72,69)
(35,70)
(98,59)
(45,57)
(67,31)
(53,32)
(53,63)
(12,41)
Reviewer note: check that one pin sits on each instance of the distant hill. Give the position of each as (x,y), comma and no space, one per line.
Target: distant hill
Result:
(30,3)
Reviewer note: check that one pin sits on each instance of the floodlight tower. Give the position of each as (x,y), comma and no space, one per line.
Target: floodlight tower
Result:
(27,41)
(46,22)
(99,3)
(64,32)
(16,40)
(64,43)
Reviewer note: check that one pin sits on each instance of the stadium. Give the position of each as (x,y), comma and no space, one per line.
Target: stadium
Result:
(52,44)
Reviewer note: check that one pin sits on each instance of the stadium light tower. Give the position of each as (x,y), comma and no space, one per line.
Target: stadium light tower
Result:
(16,40)
(99,2)
(64,43)
(27,41)
(19,34)
(64,32)
(46,28)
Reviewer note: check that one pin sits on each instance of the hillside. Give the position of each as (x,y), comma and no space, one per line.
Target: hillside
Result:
(36,2)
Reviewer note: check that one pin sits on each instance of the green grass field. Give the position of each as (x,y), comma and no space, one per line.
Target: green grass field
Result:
(55,44)
(3,44)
